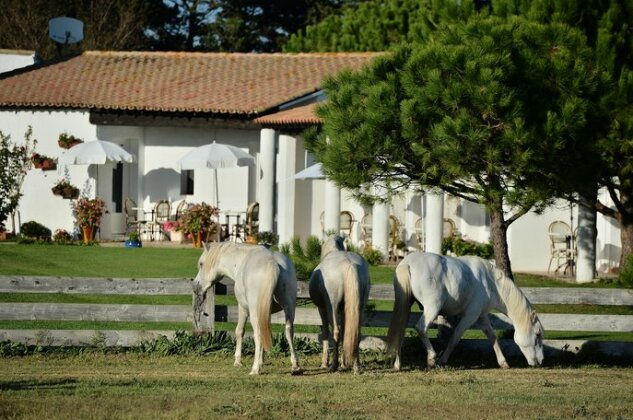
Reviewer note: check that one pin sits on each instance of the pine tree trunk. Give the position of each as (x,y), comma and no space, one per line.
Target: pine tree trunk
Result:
(626,226)
(499,230)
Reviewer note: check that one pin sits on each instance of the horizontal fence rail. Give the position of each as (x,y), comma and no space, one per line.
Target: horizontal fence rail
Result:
(182,286)
(304,315)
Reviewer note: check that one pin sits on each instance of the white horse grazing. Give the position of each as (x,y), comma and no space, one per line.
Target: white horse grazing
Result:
(265,282)
(339,287)
(465,286)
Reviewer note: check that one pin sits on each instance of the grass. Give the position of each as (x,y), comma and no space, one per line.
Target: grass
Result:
(135,386)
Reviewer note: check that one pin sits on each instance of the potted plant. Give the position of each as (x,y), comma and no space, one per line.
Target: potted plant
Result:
(89,213)
(133,240)
(198,220)
(267,238)
(174,229)
(43,162)
(66,141)
(65,189)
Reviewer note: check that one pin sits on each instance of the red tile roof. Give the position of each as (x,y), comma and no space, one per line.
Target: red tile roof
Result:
(299,116)
(216,83)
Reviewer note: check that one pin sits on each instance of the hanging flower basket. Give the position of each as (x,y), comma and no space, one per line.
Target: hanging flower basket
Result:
(65,189)
(66,141)
(43,162)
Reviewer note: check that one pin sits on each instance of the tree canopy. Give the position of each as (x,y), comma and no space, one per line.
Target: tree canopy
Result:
(487,110)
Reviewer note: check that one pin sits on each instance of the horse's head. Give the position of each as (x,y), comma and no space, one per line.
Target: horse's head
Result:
(529,338)
(208,272)
(332,243)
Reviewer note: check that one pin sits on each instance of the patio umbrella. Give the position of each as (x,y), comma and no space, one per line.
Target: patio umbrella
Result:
(214,156)
(311,172)
(96,152)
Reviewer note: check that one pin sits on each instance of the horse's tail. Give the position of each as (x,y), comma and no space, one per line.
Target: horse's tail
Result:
(401,308)
(353,311)
(264,304)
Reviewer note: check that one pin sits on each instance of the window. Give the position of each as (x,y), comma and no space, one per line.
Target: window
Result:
(186,182)
(117,187)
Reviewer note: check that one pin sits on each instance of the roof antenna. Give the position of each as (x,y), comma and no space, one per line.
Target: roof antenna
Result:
(65,31)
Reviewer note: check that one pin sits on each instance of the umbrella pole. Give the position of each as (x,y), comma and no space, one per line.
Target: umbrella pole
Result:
(215,182)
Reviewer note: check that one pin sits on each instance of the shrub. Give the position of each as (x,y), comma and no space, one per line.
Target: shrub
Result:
(304,260)
(625,277)
(373,256)
(34,230)
(267,238)
(460,246)
(61,237)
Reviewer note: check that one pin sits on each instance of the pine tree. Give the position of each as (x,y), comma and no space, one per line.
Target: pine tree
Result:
(486,110)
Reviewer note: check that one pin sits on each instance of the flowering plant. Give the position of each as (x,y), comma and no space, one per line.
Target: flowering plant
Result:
(61,237)
(89,211)
(43,161)
(65,189)
(172,225)
(198,218)
(66,141)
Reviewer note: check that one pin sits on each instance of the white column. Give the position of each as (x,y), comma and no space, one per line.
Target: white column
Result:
(380,225)
(586,245)
(332,217)
(412,213)
(434,222)
(266,179)
(286,196)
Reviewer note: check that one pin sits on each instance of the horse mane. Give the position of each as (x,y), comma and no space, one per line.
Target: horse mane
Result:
(519,308)
(333,243)
(215,251)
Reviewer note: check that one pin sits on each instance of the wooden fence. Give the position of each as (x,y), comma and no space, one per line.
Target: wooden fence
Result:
(304,316)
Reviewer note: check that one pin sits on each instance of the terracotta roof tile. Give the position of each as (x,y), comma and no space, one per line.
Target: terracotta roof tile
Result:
(301,115)
(221,83)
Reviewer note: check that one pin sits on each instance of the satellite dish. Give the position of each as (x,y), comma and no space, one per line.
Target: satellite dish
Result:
(65,30)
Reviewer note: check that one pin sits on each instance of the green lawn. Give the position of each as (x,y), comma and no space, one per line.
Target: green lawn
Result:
(120,262)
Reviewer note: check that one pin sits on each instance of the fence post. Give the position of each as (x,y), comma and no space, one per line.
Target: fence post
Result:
(204,313)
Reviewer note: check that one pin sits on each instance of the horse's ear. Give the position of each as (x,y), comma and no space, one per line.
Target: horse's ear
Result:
(205,246)
(533,317)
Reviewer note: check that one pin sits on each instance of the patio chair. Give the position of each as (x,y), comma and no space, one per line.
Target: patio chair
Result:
(449,229)
(131,217)
(250,227)
(346,224)
(180,208)
(394,237)
(366,229)
(419,234)
(560,249)
(160,215)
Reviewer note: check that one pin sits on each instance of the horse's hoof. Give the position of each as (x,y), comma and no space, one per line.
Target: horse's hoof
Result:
(254,372)
(296,372)
(237,364)
(504,365)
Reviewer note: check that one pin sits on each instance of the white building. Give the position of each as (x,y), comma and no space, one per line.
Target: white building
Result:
(15,59)
(159,106)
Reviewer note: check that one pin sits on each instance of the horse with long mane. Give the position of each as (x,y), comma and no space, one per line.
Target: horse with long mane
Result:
(339,287)
(265,282)
(465,286)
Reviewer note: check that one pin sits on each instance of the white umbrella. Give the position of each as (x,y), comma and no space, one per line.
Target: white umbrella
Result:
(214,156)
(311,172)
(96,152)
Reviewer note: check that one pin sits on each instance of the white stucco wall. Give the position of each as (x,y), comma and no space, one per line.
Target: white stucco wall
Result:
(38,202)
(13,59)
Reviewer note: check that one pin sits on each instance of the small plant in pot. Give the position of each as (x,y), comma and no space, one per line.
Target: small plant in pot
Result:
(133,240)
(66,141)
(267,238)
